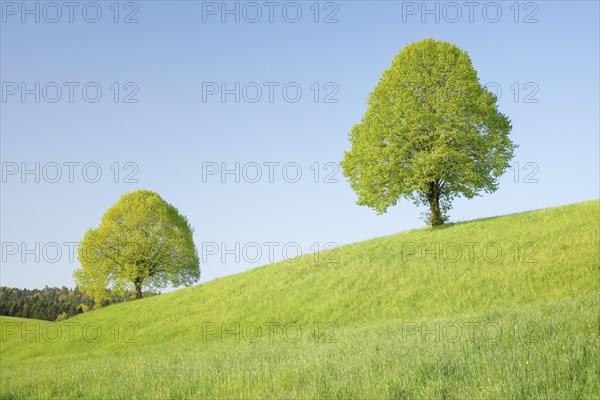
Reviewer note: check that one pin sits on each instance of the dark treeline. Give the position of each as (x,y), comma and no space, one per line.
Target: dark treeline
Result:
(50,304)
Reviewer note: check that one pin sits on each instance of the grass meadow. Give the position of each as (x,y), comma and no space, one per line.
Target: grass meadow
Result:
(504,307)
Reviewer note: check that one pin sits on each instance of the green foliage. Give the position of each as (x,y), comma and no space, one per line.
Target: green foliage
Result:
(431,132)
(61,317)
(142,242)
(48,303)
(543,301)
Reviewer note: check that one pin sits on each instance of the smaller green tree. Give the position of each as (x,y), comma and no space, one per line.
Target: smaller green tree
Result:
(142,243)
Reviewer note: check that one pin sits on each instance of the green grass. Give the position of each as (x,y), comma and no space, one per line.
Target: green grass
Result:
(378,322)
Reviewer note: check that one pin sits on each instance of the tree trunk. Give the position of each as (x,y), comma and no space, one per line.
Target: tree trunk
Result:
(434,205)
(138,289)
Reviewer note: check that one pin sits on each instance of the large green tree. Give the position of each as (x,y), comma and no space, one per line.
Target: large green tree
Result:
(431,132)
(142,243)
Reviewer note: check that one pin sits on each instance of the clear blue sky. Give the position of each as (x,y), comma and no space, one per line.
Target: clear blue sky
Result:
(167,61)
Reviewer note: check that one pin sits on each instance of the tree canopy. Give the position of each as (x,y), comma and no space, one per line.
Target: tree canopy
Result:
(142,243)
(431,132)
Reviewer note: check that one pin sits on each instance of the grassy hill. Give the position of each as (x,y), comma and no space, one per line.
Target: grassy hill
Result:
(502,307)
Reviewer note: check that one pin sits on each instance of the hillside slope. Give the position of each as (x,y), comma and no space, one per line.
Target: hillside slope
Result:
(500,307)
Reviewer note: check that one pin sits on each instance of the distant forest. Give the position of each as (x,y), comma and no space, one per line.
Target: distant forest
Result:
(51,304)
